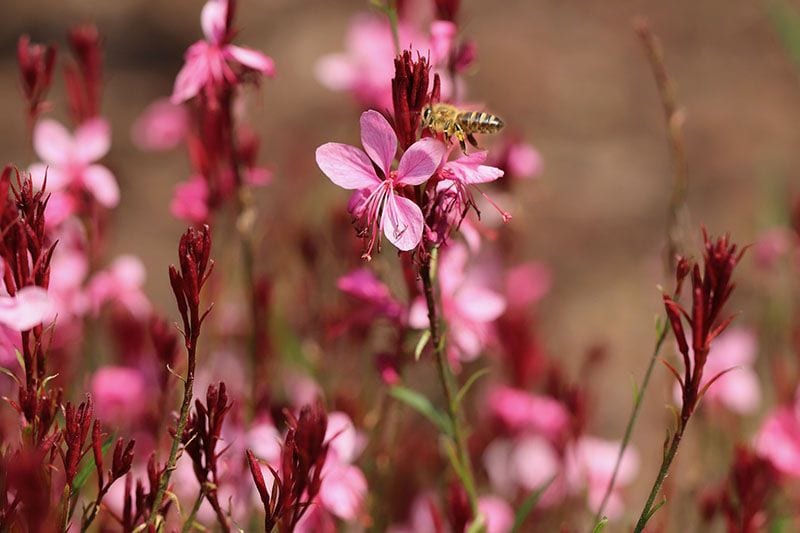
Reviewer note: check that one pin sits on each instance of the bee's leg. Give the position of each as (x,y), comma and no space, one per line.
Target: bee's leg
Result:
(459,133)
(472,140)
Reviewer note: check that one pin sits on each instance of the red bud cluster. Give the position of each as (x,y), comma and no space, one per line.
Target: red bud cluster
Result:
(83,76)
(194,251)
(36,63)
(410,94)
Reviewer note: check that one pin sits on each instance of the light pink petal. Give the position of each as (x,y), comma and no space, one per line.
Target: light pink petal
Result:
(194,74)
(252,59)
(452,263)
(527,283)
(524,161)
(534,462)
(52,142)
(118,392)
(342,436)
(128,271)
(469,169)
(443,32)
(779,441)
(738,390)
(59,208)
(420,161)
(336,72)
(265,441)
(212,20)
(161,126)
(190,200)
(28,308)
(347,166)
(343,490)
(57,179)
(257,176)
(498,514)
(469,339)
(480,304)
(737,346)
(418,314)
(378,139)
(402,222)
(92,140)
(522,411)
(102,184)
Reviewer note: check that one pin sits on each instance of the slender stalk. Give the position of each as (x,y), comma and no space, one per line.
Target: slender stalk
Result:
(662,335)
(176,440)
(666,462)
(187,526)
(446,380)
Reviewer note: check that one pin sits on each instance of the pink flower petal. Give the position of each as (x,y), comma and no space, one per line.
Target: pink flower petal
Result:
(480,304)
(739,390)
(28,308)
(534,462)
(190,200)
(92,140)
(498,514)
(347,166)
(102,184)
(443,33)
(420,161)
(52,142)
(161,126)
(470,169)
(343,490)
(194,74)
(212,20)
(524,161)
(342,436)
(779,441)
(402,222)
(336,72)
(57,179)
(252,59)
(378,139)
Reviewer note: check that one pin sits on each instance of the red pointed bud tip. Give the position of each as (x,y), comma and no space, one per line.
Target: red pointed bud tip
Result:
(165,341)
(123,458)
(458,509)
(36,62)
(97,451)
(682,269)
(84,83)
(310,431)
(409,95)
(674,315)
(447,9)
(258,478)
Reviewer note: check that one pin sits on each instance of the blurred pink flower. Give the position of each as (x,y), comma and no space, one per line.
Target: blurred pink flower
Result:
(382,208)
(161,126)
(738,389)
(523,411)
(366,67)
(526,463)
(121,283)
(208,62)
(589,466)
(772,245)
(467,304)
(375,297)
(523,160)
(527,283)
(190,201)
(68,159)
(498,514)
(26,309)
(779,440)
(119,394)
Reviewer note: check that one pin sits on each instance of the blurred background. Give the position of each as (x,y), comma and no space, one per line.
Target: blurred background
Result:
(570,76)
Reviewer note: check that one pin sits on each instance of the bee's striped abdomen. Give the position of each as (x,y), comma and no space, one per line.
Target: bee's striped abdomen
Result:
(480,122)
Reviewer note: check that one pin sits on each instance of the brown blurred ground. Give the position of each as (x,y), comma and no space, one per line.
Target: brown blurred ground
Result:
(569,74)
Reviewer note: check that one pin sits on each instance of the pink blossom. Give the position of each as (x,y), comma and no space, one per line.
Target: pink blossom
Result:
(119,394)
(523,411)
(523,160)
(528,283)
(467,304)
(161,126)
(590,465)
(497,512)
(68,160)
(26,309)
(382,208)
(366,67)
(208,62)
(772,245)
(779,440)
(121,283)
(190,201)
(343,490)
(528,462)
(466,173)
(738,390)
(362,285)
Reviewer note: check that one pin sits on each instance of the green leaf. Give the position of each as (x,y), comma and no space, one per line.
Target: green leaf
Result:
(20,360)
(528,504)
(423,406)
(786,21)
(657,506)
(601,525)
(48,379)
(87,466)
(469,383)
(478,525)
(10,374)
(423,340)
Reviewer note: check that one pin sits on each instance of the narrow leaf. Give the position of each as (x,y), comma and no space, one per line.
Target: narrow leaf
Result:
(528,504)
(421,343)
(469,383)
(601,525)
(10,374)
(423,406)
(87,466)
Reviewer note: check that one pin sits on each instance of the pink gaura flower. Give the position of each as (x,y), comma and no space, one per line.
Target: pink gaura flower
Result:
(779,439)
(497,512)
(209,62)
(589,466)
(190,201)
(161,126)
(528,283)
(772,245)
(522,411)
(468,305)
(119,394)
(375,297)
(26,309)
(466,173)
(69,160)
(122,284)
(381,206)
(738,389)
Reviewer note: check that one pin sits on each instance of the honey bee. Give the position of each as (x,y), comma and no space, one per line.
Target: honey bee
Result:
(454,122)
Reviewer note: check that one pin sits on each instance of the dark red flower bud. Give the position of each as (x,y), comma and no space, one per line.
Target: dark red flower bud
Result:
(409,95)
(84,77)
(36,62)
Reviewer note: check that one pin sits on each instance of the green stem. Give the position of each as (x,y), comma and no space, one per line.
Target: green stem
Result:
(187,526)
(631,421)
(391,13)
(446,380)
(182,417)
(648,510)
